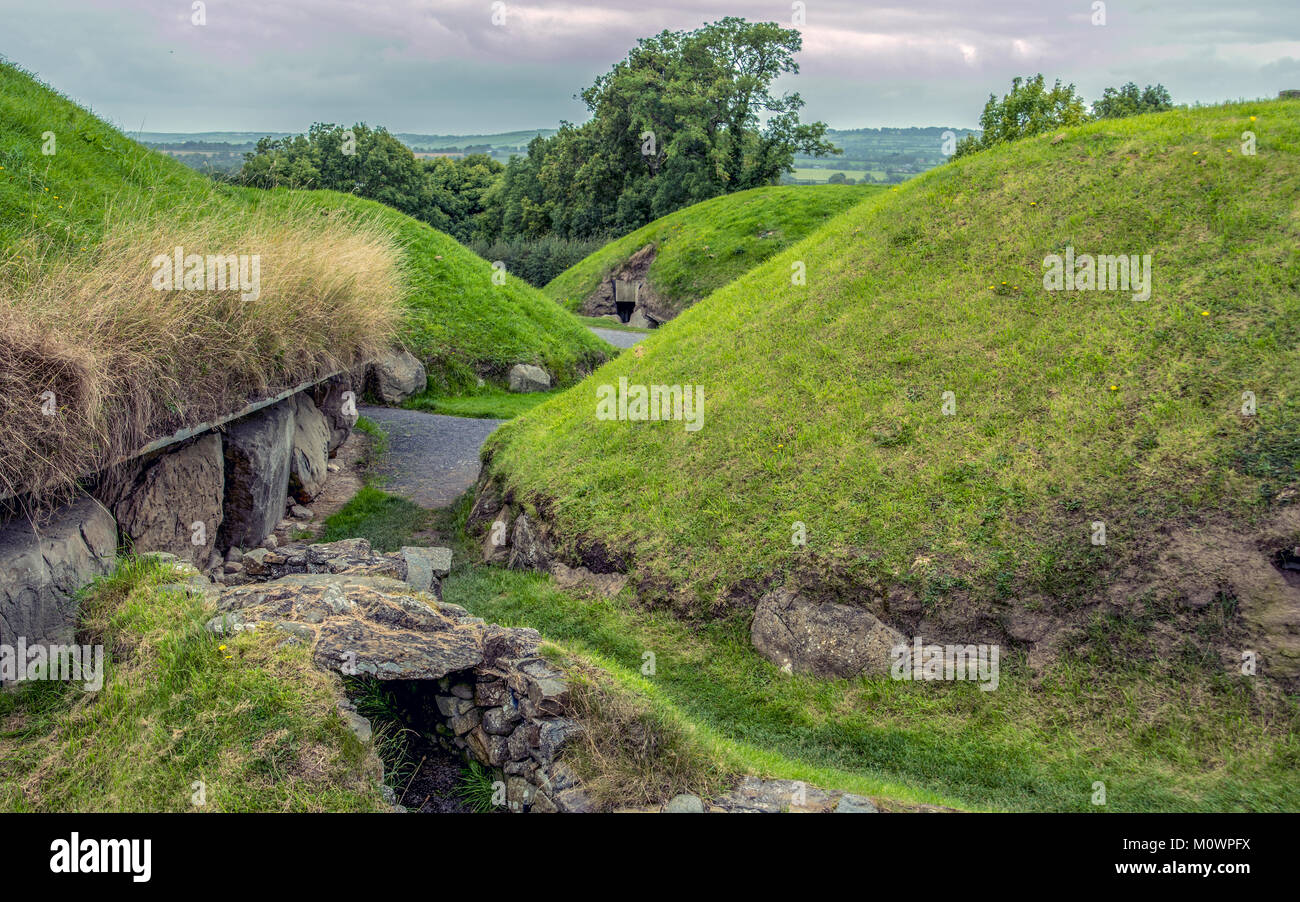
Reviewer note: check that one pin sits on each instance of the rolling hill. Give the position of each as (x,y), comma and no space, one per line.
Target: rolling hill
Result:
(703,247)
(1103,482)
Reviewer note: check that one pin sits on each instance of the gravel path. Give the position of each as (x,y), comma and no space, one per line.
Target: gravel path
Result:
(432,459)
(617,338)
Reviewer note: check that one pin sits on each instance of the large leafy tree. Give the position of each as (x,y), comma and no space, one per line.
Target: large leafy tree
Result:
(685,117)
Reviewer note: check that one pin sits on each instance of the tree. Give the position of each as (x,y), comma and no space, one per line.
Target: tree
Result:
(369,162)
(1029,109)
(1128,101)
(685,117)
(460,188)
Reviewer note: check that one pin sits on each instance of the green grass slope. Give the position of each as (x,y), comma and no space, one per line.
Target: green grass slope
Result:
(705,246)
(462,324)
(456,319)
(185,720)
(825,407)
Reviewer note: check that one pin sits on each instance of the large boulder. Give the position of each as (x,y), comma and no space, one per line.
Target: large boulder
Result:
(821,638)
(257,458)
(641,320)
(172,503)
(395,376)
(337,401)
(44,564)
(524,377)
(310,453)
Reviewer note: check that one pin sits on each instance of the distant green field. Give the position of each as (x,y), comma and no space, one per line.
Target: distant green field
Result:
(821,175)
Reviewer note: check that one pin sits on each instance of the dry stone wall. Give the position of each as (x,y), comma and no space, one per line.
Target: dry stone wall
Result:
(203,500)
(481,690)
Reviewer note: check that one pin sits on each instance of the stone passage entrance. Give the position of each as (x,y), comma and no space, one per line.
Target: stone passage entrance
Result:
(626,295)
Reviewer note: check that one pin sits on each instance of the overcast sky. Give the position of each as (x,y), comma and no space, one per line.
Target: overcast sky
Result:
(445,66)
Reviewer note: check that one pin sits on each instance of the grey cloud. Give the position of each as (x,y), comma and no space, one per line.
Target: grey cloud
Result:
(444,66)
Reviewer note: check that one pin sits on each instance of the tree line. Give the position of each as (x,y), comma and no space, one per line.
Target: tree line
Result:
(686,116)
(1031,108)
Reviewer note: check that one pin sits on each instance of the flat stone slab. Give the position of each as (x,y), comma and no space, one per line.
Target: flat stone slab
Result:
(358,624)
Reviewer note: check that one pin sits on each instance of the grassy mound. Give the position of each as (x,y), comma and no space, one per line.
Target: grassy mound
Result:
(825,403)
(462,324)
(95,360)
(184,720)
(703,247)
(825,406)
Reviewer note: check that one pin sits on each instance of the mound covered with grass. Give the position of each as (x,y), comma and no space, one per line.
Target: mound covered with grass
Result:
(1102,484)
(699,249)
(459,320)
(938,419)
(95,359)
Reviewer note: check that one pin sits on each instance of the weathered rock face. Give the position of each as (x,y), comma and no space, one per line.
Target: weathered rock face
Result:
(42,567)
(823,639)
(524,377)
(395,376)
(754,795)
(641,320)
(337,401)
(309,454)
(528,546)
(496,542)
(257,458)
(605,584)
(173,503)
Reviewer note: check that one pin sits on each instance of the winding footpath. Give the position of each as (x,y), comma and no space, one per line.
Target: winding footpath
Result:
(433,459)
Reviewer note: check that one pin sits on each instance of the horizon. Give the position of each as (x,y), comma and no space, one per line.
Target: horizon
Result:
(146,66)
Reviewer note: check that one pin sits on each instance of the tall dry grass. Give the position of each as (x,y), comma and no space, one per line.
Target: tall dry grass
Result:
(128,363)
